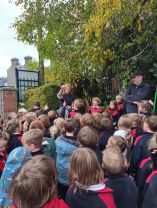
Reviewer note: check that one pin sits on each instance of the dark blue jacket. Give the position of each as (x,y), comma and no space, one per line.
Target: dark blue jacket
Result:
(136,93)
(150,198)
(140,151)
(124,190)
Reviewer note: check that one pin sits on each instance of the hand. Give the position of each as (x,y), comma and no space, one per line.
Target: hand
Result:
(136,103)
(46,107)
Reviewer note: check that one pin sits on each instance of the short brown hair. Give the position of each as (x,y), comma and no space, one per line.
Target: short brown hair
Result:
(146,105)
(87,120)
(113,160)
(151,121)
(124,122)
(97,119)
(33,136)
(88,136)
(11,126)
(136,120)
(83,162)
(106,124)
(70,125)
(107,115)
(4,135)
(79,103)
(153,142)
(45,120)
(37,124)
(35,184)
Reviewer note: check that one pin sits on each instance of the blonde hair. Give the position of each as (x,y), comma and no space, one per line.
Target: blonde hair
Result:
(96,99)
(135,120)
(33,136)
(83,162)
(124,122)
(87,120)
(113,160)
(35,184)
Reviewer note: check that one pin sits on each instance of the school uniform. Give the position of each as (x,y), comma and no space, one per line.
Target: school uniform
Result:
(104,136)
(150,198)
(3,158)
(121,108)
(96,196)
(94,109)
(13,142)
(55,202)
(124,190)
(98,154)
(115,114)
(145,169)
(140,151)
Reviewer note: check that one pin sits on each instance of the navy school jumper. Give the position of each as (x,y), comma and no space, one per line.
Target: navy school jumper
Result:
(150,198)
(124,190)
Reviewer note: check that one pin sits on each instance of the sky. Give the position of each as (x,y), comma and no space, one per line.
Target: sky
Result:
(9,46)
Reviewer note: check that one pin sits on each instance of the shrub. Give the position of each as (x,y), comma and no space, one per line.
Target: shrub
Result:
(44,94)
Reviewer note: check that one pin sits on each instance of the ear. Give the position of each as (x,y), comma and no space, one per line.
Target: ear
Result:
(31,147)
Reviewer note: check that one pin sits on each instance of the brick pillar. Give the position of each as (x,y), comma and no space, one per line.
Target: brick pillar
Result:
(8,101)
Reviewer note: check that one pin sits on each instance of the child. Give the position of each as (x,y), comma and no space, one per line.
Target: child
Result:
(52,115)
(48,145)
(55,132)
(87,120)
(60,123)
(113,109)
(37,180)
(31,116)
(95,108)
(140,150)
(32,140)
(66,144)
(124,147)
(124,189)
(89,137)
(144,108)
(87,188)
(146,167)
(107,129)
(97,120)
(78,107)
(3,150)
(15,160)
(45,120)
(136,125)
(121,106)
(12,128)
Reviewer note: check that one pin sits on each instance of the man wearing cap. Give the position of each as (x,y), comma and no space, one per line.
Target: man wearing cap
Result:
(137,91)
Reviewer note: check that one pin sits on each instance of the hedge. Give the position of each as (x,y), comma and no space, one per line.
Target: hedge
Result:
(44,94)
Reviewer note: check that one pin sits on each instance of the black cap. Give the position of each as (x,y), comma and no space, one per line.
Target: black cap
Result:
(137,73)
(37,103)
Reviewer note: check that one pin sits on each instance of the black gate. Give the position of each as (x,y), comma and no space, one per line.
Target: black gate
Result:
(24,80)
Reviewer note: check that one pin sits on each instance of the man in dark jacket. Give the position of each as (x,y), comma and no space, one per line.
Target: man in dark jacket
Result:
(136,92)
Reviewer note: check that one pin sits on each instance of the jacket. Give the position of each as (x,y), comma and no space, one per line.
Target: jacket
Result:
(49,147)
(91,198)
(65,146)
(124,190)
(136,93)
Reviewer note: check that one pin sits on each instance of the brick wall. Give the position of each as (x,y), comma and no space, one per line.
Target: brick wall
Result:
(8,101)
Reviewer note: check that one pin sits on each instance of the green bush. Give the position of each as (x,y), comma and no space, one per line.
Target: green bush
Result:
(44,94)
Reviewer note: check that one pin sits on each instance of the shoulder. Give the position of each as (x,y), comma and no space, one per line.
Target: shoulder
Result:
(57,203)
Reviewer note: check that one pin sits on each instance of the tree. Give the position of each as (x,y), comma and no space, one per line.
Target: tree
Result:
(30,25)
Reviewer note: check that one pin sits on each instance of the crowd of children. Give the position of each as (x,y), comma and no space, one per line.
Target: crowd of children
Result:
(79,156)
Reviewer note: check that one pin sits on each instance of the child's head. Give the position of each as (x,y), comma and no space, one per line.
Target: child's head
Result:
(67,88)
(97,120)
(123,145)
(107,115)
(45,120)
(60,123)
(70,125)
(35,184)
(124,122)
(12,126)
(33,139)
(135,120)
(96,101)
(106,124)
(113,160)
(11,115)
(113,104)
(78,104)
(119,99)
(55,131)
(3,140)
(88,136)
(145,107)
(85,169)
(87,120)
(52,115)
(153,142)
(150,124)
(37,124)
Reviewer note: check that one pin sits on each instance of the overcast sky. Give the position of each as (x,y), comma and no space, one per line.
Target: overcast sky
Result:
(9,46)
